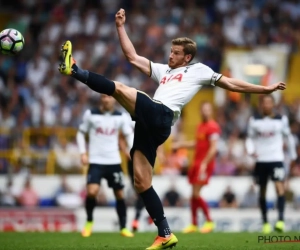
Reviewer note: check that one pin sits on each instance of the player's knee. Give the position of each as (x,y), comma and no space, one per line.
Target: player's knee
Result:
(92,192)
(138,184)
(141,184)
(196,191)
(195,195)
(119,194)
(121,88)
(280,190)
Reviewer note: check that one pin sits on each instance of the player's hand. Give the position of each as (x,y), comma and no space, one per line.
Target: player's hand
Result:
(275,86)
(127,155)
(176,145)
(120,18)
(292,164)
(254,155)
(84,159)
(203,167)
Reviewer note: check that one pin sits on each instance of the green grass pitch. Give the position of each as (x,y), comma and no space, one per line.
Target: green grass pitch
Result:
(113,241)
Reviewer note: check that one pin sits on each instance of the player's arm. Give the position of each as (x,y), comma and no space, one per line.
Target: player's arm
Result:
(184,144)
(81,142)
(249,144)
(241,86)
(127,132)
(123,145)
(80,137)
(142,63)
(212,150)
(161,154)
(290,139)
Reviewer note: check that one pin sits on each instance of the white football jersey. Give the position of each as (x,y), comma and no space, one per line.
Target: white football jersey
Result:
(266,138)
(178,86)
(103,130)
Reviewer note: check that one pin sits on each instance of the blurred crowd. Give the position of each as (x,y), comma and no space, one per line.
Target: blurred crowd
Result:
(34,94)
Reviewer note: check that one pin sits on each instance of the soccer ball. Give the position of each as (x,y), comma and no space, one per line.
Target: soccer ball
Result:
(11,42)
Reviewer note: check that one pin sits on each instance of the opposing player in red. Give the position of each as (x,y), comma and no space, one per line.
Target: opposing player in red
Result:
(205,145)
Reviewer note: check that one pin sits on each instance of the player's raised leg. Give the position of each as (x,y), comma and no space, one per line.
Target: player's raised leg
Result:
(143,185)
(90,204)
(280,190)
(125,95)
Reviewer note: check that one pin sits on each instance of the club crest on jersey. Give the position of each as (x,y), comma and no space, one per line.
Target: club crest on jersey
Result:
(167,79)
(201,136)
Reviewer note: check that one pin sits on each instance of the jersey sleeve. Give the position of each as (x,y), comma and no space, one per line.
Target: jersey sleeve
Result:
(85,124)
(157,70)
(206,76)
(214,132)
(250,129)
(286,127)
(126,126)
(249,143)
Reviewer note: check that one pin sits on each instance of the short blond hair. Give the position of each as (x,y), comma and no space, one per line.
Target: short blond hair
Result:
(189,46)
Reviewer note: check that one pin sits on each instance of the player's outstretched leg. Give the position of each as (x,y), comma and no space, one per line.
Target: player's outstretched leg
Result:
(122,213)
(125,95)
(280,226)
(266,229)
(143,185)
(90,204)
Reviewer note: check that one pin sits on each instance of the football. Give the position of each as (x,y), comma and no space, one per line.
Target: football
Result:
(11,42)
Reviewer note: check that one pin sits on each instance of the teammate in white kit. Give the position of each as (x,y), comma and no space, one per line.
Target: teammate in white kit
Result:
(103,125)
(266,134)
(178,82)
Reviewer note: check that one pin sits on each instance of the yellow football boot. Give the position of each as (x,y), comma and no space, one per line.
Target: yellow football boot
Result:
(126,233)
(190,229)
(66,59)
(87,230)
(208,227)
(163,243)
(266,229)
(279,226)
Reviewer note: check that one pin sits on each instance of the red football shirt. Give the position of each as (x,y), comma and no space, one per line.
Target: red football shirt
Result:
(205,132)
